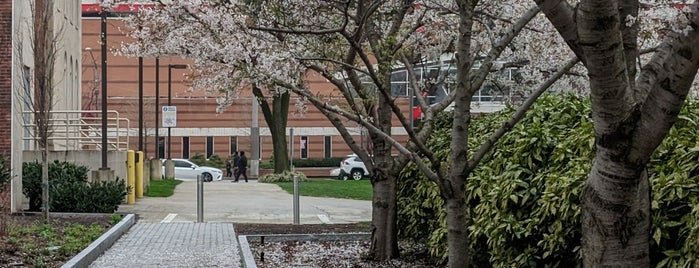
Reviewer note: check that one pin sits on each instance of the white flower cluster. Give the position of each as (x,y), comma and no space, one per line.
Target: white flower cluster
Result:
(273,43)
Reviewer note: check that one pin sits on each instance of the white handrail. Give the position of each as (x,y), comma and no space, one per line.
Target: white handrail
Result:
(79,130)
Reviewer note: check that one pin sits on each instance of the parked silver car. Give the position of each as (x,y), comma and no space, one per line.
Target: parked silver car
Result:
(352,167)
(186,170)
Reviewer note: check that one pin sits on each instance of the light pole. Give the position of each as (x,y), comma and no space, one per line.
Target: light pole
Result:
(157,107)
(103,40)
(169,102)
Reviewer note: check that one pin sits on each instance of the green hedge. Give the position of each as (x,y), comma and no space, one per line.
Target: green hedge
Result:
(213,161)
(524,198)
(308,162)
(69,189)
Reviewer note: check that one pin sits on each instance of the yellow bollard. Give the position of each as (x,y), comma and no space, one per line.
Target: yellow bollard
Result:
(139,174)
(130,176)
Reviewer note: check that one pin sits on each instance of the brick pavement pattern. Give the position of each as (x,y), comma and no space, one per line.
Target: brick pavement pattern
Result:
(175,244)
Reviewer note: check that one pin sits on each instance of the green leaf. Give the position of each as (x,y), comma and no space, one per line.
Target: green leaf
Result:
(657,235)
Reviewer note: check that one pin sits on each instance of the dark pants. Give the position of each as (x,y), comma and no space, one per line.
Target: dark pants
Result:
(229,173)
(242,171)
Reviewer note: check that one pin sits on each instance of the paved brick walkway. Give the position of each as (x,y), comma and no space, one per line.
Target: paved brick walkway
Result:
(175,244)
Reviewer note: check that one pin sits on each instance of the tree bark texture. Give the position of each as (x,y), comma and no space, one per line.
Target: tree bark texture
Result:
(632,113)
(384,240)
(453,188)
(276,118)
(616,215)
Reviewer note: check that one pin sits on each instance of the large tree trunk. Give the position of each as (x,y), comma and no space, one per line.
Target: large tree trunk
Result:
(279,120)
(457,237)
(384,232)
(453,188)
(276,118)
(616,215)
(384,239)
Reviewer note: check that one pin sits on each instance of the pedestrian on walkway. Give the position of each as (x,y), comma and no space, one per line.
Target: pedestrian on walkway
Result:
(235,163)
(242,166)
(229,168)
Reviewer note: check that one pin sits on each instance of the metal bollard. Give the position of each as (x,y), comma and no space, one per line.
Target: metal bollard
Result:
(296,199)
(200,199)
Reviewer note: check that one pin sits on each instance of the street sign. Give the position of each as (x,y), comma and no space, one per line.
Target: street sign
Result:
(169,116)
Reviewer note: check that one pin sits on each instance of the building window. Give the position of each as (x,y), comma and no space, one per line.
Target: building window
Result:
(26,105)
(185,147)
(209,146)
(304,147)
(233,145)
(328,148)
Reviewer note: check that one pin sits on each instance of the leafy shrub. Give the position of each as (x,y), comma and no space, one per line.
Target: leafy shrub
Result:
(523,200)
(116,218)
(69,189)
(5,172)
(59,173)
(213,161)
(216,161)
(95,197)
(266,165)
(286,176)
(5,178)
(198,159)
(318,162)
(308,162)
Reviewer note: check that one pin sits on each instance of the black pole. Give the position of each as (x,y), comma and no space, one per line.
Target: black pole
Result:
(169,103)
(140,103)
(103,37)
(157,105)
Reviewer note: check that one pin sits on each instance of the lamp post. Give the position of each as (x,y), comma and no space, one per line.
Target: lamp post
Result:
(103,40)
(169,102)
(157,106)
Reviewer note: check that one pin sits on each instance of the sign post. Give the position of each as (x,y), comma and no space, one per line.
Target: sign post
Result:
(169,116)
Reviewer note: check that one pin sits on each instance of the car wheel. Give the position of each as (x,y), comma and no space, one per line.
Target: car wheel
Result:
(206,177)
(357,174)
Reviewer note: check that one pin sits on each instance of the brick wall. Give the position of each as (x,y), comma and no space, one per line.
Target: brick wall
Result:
(5,76)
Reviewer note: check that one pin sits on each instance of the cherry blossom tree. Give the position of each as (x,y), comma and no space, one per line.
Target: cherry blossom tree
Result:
(355,45)
(635,103)
(261,44)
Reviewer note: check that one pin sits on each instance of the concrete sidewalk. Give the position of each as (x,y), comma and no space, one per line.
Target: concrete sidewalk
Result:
(250,202)
(149,244)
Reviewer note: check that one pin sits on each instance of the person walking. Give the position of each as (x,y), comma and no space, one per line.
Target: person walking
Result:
(242,167)
(234,163)
(229,168)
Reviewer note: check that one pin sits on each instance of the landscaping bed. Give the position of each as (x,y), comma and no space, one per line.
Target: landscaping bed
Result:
(327,253)
(29,242)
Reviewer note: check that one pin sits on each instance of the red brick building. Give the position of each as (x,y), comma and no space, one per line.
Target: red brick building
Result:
(5,77)
(200,129)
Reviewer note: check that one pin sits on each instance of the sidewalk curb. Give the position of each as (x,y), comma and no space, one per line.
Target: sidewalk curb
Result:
(99,246)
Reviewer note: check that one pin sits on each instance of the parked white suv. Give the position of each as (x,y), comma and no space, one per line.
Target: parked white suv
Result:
(352,167)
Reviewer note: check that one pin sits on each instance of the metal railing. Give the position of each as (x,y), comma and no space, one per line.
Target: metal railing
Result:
(78,130)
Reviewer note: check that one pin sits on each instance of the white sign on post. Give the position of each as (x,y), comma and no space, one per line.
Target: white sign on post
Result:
(169,116)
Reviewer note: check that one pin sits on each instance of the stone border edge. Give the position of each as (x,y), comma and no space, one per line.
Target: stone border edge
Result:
(248,259)
(104,242)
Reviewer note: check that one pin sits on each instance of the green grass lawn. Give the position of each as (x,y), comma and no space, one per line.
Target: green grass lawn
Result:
(360,190)
(162,188)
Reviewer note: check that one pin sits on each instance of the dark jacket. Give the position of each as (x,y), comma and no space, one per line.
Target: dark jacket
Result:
(242,162)
(236,158)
